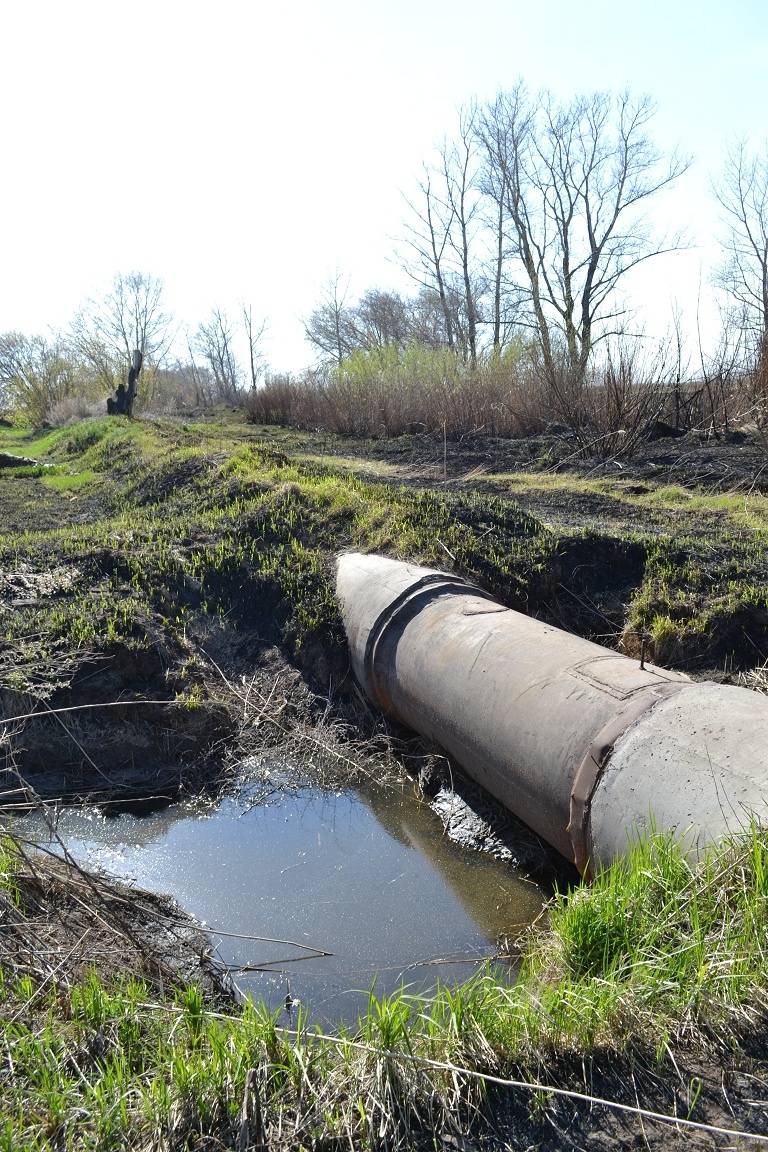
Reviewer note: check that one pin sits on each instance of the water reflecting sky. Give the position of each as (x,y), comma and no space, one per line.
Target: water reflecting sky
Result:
(368,876)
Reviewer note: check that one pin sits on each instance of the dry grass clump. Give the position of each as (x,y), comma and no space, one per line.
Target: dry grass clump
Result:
(756,678)
(71,409)
(391,392)
(608,410)
(60,921)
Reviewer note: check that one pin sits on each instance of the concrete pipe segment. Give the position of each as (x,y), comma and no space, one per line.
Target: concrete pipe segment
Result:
(580,742)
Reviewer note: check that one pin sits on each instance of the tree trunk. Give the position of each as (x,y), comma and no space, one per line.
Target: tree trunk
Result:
(497,279)
(122,404)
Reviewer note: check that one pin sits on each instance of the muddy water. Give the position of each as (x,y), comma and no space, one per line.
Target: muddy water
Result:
(367,876)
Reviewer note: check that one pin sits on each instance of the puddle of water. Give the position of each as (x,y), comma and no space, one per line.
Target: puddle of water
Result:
(369,877)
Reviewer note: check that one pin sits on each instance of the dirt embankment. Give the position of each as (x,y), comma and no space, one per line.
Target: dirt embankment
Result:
(184,611)
(61,921)
(199,562)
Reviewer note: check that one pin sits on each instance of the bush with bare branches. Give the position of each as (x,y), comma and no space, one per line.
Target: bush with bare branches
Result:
(391,392)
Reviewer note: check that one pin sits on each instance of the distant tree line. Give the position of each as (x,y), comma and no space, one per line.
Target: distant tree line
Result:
(379,319)
(71,373)
(526,228)
(520,240)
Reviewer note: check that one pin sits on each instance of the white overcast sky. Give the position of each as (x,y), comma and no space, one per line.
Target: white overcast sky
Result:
(247,151)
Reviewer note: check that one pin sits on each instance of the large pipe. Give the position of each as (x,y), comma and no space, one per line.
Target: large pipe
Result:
(585,745)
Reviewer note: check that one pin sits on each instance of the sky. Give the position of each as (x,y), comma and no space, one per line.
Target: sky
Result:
(252,151)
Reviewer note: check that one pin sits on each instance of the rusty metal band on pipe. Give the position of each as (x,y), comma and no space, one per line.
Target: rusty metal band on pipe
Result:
(430,585)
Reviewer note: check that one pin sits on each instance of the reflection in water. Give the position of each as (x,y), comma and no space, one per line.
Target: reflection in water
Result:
(499,900)
(369,877)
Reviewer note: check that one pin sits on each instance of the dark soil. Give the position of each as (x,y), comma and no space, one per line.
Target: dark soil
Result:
(735,461)
(733,1096)
(120,735)
(8,460)
(26,505)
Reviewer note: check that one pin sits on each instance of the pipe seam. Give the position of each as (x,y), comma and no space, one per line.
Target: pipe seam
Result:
(588,774)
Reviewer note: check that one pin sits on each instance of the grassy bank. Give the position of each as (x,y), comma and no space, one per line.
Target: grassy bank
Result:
(155,561)
(656,968)
(189,545)
(151,567)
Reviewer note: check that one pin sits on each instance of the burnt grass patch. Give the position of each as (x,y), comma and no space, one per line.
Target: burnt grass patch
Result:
(182,533)
(597,578)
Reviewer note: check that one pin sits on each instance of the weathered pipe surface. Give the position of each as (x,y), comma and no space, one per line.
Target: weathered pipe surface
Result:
(578,741)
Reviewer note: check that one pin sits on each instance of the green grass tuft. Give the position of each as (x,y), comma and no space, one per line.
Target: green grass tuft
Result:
(655,952)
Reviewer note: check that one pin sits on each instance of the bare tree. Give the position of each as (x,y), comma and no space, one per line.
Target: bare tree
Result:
(743,196)
(429,240)
(575,178)
(131,316)
(331,326)
(35,375)
(462,200)
(254,336)
(201,378)
(381,319)
(181,385)
(506,296)
(214,342)
(494,187)
(426,321)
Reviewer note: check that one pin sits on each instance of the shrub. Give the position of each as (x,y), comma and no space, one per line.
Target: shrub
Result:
(72,409)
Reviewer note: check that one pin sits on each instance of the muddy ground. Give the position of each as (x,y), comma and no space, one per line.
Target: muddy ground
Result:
(175,680)
(731,1097)
(155,705)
